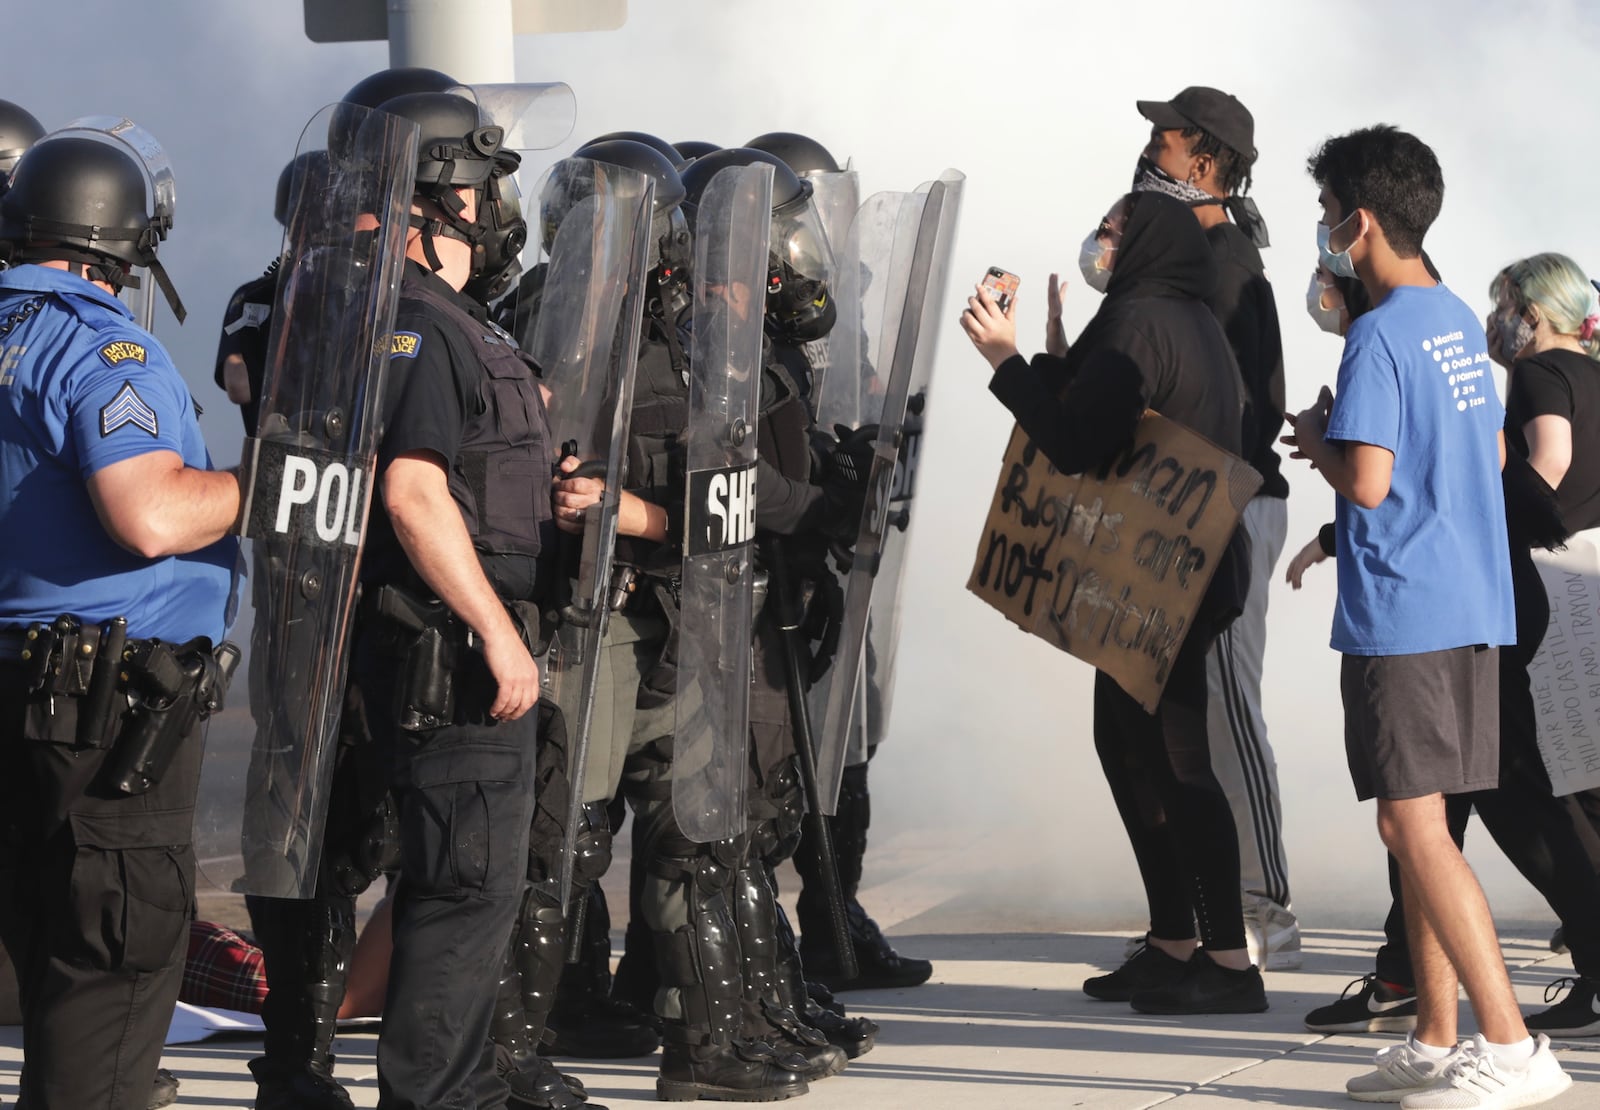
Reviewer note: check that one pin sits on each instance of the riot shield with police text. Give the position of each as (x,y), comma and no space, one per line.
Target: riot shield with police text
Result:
(264,793)
(710,746)
(586,341)
(881,363)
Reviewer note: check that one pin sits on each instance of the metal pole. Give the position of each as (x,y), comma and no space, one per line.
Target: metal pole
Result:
(471,40)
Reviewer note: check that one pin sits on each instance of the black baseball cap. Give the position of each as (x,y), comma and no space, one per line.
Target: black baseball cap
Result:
(1213,111)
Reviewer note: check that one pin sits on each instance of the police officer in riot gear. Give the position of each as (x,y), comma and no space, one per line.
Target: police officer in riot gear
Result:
(115,587)
(577,1004)
(307,943)
(722,1039)
(18,131)
(442,664)
(878,963)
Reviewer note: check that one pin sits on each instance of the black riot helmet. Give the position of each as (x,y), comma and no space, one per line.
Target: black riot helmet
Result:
(690,149)
(504,231)
(307,175)
(654,142)
(801,153)
(386,84)
(18,131)
(78,199)
(454,150)
(800,263)
(669,231)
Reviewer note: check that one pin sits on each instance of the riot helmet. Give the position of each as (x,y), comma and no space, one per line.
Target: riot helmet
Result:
(18,131)
(690,149)
(84,195)
(802,154)
(670,246)
(654,142)
(386,84)
(799,305)
(504,230)
(454,150)
(307,175)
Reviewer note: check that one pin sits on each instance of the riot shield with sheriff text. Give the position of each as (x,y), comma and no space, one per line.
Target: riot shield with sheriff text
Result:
(585,339)
(710,747)
(265,786)
(881,362)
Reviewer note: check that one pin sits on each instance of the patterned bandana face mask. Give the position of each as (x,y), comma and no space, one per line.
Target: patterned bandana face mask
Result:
(1151,178)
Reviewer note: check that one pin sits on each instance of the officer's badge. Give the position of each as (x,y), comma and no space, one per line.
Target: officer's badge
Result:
(122,350)
(406,344)
(127,407)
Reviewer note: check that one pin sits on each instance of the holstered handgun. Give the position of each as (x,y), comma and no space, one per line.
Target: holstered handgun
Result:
(433,639)
(172,688)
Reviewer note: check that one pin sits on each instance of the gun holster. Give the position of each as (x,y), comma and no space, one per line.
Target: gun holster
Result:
(171,688)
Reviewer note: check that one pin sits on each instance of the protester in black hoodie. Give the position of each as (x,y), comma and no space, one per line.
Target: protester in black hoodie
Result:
(1153,344)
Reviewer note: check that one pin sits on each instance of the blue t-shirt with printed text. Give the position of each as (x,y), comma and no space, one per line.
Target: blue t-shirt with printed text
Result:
(82,387)
(1429,568)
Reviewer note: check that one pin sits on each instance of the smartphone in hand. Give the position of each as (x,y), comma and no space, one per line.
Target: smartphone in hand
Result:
(1002,286)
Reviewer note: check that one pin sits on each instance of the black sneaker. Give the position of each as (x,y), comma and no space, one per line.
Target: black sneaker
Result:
(1576,1015)
(1147,967)
(1205,987)
(1377,1008)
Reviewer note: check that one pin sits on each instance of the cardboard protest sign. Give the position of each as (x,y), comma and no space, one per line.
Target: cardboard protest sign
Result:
(1111,565)
(1565,674)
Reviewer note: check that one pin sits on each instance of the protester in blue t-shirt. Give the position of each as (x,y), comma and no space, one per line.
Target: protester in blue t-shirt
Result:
(1413,448)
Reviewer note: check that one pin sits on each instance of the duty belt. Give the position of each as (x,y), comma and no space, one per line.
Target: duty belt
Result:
(12,641)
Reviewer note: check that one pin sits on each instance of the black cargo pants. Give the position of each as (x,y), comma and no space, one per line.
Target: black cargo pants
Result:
(96,895)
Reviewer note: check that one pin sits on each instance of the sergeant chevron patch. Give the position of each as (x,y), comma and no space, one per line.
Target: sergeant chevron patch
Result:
(127,407)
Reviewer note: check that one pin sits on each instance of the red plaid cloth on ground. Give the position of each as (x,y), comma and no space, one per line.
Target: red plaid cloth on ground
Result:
(224,970)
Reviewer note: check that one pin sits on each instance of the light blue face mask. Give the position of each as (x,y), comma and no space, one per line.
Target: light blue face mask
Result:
(1338,264)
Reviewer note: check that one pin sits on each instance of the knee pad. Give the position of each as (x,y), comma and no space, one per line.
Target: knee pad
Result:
(592,845)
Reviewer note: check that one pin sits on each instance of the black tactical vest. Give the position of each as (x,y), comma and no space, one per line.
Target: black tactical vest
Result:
(501,476)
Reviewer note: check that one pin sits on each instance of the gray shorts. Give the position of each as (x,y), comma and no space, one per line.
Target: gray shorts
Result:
(1423,724)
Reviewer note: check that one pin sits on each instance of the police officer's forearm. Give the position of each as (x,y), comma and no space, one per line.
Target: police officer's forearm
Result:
(428,524)
(784,505)
(638,517)
(154,505)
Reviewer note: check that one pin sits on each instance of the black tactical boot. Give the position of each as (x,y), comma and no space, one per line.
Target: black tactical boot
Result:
(855,1035)
(767,1016)
(636,979)
(306,946)
(740,1071)
(587,1021)
(880,965)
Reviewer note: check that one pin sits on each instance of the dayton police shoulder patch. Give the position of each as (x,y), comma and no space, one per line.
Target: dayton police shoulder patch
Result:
(127,407)
(119,351)
(406,344)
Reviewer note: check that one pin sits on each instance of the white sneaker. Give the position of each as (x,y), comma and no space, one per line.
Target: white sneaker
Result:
(1478,1080)
(1272,934)
(1398,1071)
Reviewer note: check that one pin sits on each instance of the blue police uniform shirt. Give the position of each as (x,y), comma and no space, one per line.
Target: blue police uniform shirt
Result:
(82,387)
(1428,569)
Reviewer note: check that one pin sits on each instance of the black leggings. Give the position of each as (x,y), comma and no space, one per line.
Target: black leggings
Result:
(1550,840)
(1178,819)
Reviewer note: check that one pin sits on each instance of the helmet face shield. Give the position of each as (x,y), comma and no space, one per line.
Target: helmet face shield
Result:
(799,302)
(135,140)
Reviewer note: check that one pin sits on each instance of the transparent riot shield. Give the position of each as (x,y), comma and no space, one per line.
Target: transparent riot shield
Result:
(139,296)
(586,340)
(890,303)
(710,761)
(264,789)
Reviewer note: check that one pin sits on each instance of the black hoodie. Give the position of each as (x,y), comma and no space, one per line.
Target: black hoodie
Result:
(1153,344)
